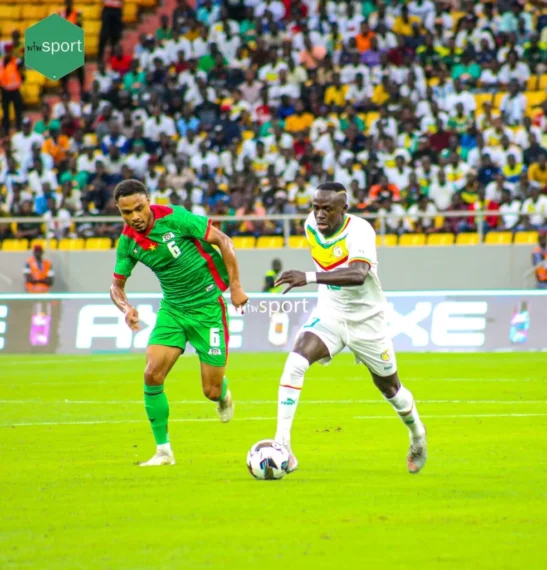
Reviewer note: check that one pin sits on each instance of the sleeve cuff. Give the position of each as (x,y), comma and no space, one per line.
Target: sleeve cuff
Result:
(118,276)
(360,259)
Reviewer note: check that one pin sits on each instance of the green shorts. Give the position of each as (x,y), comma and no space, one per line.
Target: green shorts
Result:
(205,328)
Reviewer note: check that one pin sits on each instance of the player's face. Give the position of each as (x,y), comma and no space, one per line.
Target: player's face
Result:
(135,211)
(329,209)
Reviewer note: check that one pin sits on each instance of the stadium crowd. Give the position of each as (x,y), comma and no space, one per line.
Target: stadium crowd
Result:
(239,108)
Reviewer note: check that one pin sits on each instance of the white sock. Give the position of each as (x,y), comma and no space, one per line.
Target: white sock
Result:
(165,447)
(292,381)
(404,405)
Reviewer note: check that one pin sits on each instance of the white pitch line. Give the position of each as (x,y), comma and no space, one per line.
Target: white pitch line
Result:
(257,419)
(267,402)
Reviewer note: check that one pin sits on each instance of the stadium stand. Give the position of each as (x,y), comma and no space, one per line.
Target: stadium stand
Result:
(234,108)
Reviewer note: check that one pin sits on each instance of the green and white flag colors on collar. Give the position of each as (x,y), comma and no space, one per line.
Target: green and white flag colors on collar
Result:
(54,47)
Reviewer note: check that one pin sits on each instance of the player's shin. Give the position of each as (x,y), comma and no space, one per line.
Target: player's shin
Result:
(405,406)
(157,410)
(292,381)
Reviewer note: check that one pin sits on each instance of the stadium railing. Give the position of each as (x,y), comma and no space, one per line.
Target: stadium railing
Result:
(469,237)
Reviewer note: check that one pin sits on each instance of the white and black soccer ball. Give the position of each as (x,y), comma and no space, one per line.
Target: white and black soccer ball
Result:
(268,459)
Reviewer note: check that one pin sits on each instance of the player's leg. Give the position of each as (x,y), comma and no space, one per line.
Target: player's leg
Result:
(317,341)
(372,345)
(167,342)
(208,333)
(403,403)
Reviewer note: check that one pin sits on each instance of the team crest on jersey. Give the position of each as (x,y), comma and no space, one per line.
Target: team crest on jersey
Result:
(337,251)
(168,236)
(385,356)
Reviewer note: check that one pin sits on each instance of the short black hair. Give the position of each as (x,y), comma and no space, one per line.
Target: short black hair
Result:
(332,187)
(128,188)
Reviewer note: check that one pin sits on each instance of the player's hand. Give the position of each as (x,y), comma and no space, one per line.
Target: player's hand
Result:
(239,298)
(293,278)
(132,319)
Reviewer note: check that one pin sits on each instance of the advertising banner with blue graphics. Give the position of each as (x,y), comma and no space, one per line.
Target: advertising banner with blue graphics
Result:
(429,321)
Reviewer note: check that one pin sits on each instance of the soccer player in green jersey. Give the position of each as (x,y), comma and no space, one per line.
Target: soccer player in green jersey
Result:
(178,247)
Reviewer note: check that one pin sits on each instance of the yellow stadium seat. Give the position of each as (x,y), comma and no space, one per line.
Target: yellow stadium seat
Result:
(91,12)
(269,242)
(34,11)
(533,83)
(456,17)
(411,240)
(526,238)
(91,45)
(130,12)
(534,98)
(440,239)
(98,243)
(481,99)
(50,244)
(498,98)
(244,242)
(543,82)
(92,27)
(10,13)
(54,8)
(147,3)
(499,238)
(71,244)
(389,240)
(467,239)
(15,245)
(298,242)
(31,94)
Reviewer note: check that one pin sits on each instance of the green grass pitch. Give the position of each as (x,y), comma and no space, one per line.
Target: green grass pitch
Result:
(72,428)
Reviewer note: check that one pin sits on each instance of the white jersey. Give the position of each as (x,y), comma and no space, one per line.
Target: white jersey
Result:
(355,241)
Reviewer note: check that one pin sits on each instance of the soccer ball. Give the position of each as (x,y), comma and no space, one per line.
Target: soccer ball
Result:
(268,460)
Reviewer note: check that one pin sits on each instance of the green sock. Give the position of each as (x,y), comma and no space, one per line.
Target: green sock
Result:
(157,410)
(224,388)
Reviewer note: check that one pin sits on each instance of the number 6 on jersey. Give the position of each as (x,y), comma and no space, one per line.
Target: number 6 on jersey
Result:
(173,248)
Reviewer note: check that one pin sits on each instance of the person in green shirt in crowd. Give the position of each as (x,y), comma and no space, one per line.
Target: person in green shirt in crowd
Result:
(450,55)
(208,61)
(535,54)
(350,117)
(164,32)
(467,70)
(134,79)
(247,26)
(46,123)
(71,174)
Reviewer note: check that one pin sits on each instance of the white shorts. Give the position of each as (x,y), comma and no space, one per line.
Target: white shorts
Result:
(369,340)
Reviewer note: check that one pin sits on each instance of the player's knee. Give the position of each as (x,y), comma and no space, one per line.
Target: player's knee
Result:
(153,376)
(212,392)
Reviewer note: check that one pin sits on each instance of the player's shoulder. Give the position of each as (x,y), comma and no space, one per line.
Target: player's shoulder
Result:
(165,211)
(359,225)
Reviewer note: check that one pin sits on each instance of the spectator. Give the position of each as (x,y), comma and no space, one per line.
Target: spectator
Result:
(537,173)
(38,272)
(11,79)
(111,25)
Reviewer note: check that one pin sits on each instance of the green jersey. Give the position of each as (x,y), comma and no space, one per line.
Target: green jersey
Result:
(191,271)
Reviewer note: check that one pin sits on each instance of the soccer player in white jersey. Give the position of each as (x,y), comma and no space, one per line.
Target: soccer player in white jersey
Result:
(351,311)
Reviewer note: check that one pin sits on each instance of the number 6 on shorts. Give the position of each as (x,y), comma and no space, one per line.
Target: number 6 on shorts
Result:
(214,337)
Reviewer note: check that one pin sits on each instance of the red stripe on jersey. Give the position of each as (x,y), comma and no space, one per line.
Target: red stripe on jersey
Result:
(211,265)
(207,231)
(118,276)
(327,267)
(161,211)
(225,324)
(291,387)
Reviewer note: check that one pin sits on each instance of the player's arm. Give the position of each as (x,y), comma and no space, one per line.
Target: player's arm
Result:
(119,298)
(351,276)
(215,237)
(122,271)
